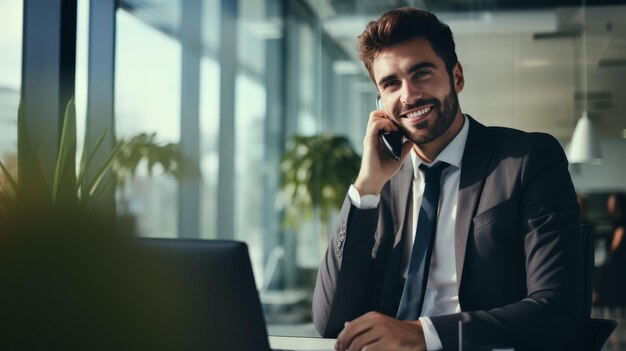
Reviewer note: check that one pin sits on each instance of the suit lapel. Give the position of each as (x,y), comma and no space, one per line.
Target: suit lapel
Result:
(400,193)
(476,157)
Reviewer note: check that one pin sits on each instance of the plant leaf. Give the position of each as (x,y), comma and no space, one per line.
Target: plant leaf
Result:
(316,172)
(64,185)
(87,158)
(7,175)
(98,192)
(103,169)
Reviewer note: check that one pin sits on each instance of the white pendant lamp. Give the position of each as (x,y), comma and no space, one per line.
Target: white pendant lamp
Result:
(584,147)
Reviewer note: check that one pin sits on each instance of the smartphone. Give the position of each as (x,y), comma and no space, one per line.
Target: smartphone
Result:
(391,140)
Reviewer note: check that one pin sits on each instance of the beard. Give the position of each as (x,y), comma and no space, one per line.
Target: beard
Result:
(432,128)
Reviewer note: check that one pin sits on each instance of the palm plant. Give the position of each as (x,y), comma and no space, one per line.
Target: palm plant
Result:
(69,189)
(316,172)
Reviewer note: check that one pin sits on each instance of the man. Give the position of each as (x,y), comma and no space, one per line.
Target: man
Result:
(501,253)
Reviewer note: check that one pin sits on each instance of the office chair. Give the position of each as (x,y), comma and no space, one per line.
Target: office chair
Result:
(593,332)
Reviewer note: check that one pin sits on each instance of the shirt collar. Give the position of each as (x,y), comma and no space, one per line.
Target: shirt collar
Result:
(452,153)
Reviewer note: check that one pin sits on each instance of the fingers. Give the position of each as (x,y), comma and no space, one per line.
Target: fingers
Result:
(376,114)
(374,331)
(358,333)
(365,340)
(406,148)
(377,164)
(350,331)
(378,121)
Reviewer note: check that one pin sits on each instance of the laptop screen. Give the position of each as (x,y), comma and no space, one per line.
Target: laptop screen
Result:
(216,287)
(81,290)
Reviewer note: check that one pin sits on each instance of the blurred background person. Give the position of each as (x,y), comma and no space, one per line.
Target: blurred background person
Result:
(610,278)
(615,206)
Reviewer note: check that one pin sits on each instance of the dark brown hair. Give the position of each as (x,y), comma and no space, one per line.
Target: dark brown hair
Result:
(402,24)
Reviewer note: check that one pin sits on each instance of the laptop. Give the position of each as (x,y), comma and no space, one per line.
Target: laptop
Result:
(220,299)
(76,292)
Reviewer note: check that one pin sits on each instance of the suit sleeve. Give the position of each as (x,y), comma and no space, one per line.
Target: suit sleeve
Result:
(341,291)
(550,224)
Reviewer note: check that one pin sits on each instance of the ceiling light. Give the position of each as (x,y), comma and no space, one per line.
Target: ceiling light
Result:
(584,147)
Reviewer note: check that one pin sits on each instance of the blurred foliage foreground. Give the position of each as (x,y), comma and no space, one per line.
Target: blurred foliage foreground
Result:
(67,283)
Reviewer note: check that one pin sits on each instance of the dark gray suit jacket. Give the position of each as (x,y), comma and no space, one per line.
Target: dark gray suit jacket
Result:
(518,248)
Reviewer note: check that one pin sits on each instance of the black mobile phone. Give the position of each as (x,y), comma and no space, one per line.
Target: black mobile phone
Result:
(391,140)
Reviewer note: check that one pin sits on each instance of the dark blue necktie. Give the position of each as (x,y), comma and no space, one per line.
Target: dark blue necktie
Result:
(417,276)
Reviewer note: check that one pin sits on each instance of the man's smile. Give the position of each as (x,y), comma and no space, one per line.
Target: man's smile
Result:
(417,114)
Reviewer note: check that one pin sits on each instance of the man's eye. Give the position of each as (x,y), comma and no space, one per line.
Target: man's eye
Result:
(421,74)
(389,84)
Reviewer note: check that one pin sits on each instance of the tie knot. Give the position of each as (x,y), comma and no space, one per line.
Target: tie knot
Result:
(433,173)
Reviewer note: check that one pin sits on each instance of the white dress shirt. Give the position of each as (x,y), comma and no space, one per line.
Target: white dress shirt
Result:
(442,296)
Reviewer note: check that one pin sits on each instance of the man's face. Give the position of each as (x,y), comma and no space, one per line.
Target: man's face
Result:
(416,90)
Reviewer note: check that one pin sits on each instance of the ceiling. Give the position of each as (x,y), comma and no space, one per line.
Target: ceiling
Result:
(377,7)
(522,59)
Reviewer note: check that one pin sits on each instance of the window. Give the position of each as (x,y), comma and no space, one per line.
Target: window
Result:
(10,79)
(147,100)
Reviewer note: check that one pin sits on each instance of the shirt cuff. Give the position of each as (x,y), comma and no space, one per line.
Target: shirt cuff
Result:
(430,335)
(365,202)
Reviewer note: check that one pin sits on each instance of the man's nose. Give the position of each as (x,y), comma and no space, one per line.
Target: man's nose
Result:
(409,94)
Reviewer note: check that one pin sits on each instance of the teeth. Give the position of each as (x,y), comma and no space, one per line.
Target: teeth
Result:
(419,112)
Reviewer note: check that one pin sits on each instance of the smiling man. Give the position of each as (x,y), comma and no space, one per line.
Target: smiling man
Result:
(474,226)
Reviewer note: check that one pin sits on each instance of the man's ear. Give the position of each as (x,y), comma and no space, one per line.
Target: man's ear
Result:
(459,80)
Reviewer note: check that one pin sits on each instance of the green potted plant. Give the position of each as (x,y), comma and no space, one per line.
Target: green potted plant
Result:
(316,172)
(70,188)
(134,150)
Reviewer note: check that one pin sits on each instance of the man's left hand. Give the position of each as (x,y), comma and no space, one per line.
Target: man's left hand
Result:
(376,332)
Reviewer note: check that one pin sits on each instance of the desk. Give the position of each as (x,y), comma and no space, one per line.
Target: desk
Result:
(301,343)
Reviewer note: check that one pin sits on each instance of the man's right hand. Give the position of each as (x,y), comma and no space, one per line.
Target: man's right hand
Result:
(377,165)
(377,332)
